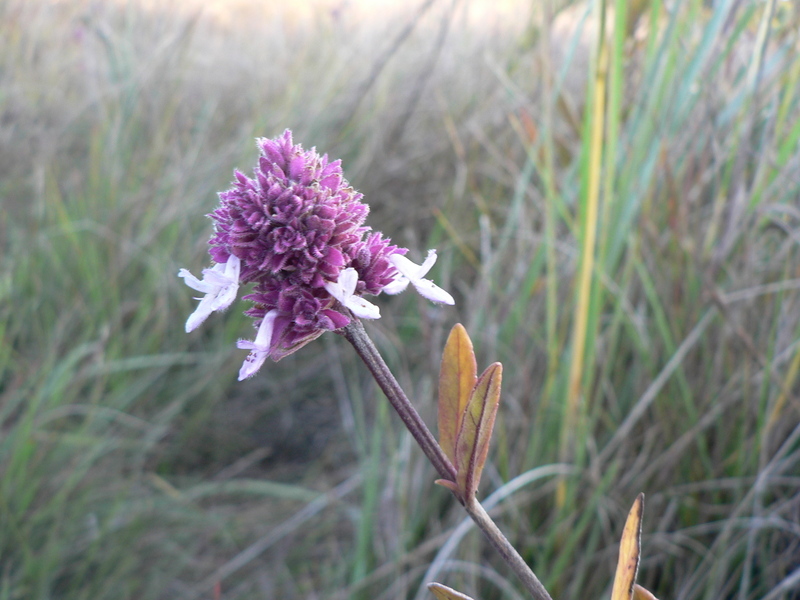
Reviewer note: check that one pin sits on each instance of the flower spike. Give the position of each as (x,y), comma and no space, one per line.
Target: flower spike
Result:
(296,230)
(413,273)
(220,285)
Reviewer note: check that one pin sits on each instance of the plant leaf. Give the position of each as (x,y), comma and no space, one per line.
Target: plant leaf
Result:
(450,485)
(639,593)
(472,444)
(457,378)
(442,592)
(629,551)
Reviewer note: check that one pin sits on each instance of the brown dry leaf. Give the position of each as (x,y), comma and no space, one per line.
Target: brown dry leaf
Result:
(457,378)
(629,552)
(639,593)
(472,444)
(442,592)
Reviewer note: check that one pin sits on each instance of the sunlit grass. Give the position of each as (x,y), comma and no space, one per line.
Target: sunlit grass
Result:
(133,465)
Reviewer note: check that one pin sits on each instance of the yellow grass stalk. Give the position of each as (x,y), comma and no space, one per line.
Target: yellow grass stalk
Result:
(788,384)
(583,306)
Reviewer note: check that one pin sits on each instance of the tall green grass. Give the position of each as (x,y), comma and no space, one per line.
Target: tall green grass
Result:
(618,222)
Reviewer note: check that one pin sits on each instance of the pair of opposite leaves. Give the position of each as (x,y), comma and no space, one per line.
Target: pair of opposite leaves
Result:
(467,410)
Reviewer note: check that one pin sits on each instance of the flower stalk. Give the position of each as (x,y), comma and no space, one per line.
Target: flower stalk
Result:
(355,333)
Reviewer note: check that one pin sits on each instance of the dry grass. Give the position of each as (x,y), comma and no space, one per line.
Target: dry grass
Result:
(132,465)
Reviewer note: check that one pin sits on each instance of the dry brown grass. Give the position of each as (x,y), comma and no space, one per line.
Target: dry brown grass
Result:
(132,465)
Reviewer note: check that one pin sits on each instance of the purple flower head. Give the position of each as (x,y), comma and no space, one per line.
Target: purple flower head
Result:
(297,216)
(295,230)
(303,314)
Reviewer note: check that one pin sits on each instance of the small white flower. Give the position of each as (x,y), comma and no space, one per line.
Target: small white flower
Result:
(219,284)
(259,349)
(413,273)
(343,290)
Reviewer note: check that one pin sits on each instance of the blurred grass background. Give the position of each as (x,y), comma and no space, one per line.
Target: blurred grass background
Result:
(620,225)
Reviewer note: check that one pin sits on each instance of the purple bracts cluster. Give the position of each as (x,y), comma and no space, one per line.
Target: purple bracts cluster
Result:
(298,215)
(295,230)
(295,225)
(371,261)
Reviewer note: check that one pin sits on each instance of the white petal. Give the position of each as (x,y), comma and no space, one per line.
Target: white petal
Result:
(406,267)
(252,364)
(395,287)
(264,335)
(259,349)
(343,290)
(215,278)
(432,292)
(334,288)
(363,308)
(220,284)
(233,267)
(348,279)
(430,260)
(200,313)
(226,298)
(414,273)
(193,282)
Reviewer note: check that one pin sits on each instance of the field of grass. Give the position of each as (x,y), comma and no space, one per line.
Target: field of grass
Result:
(620,228)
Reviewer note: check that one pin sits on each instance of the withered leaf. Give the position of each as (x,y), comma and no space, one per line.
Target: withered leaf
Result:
(629,552)
(472,444)
(639,593)
(457,378)
(442,592)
